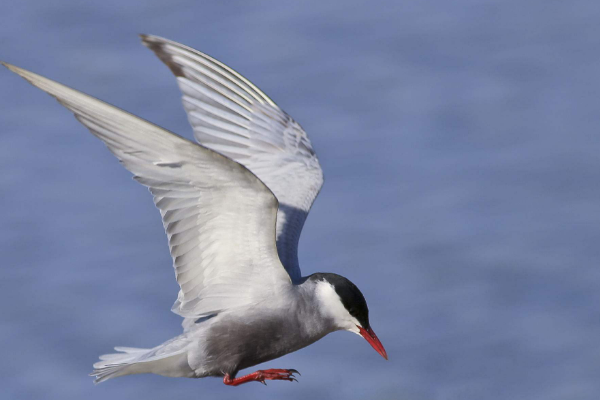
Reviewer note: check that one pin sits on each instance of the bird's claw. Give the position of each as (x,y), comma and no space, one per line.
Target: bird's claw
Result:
(262,376)
(279,375)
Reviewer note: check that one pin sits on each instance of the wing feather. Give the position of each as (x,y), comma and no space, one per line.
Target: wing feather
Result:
(219,217)
(233,117)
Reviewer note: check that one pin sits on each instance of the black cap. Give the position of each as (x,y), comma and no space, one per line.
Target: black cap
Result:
(352,299)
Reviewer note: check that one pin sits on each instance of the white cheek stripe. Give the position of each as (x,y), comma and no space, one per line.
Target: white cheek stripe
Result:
(332,307)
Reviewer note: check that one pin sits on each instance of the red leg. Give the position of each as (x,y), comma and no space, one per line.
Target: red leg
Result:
(262,376)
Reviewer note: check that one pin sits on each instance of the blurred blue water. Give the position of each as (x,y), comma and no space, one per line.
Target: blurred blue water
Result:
(460,146)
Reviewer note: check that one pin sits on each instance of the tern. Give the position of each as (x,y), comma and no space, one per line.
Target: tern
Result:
(233,206)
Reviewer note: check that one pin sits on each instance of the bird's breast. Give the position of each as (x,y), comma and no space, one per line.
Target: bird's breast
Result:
(239,341)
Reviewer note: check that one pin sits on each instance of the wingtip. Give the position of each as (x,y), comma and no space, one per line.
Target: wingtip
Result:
(144,38)
(7,65)
(148,39)
(14,68)
(23,73)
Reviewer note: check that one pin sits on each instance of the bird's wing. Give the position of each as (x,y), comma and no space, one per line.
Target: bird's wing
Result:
(232,116)
(218,216)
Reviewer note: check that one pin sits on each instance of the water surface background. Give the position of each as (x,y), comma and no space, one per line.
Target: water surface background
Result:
(461,153)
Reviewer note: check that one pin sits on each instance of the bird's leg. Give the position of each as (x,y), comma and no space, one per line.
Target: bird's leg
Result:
(262,376)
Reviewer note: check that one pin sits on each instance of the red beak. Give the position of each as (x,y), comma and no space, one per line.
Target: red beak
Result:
(371,337)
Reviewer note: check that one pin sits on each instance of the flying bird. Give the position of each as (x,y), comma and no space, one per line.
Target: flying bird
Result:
(233,206)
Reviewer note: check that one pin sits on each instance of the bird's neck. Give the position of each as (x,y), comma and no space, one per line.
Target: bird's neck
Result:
(315,324)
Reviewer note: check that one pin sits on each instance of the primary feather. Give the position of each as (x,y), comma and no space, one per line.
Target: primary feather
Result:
(218,216)
(232,116)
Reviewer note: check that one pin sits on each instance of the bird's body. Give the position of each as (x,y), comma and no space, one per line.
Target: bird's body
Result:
(234,340)
(233,208)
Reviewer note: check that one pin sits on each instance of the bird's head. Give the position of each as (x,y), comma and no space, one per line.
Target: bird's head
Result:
(342,302)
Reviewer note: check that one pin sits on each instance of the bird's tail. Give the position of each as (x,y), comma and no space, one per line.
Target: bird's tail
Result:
(131,361)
